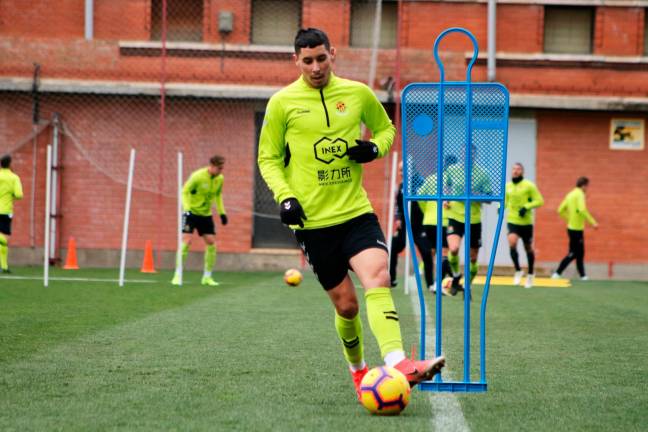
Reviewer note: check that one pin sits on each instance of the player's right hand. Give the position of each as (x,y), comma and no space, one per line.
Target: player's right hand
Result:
(292,212)
(522,212)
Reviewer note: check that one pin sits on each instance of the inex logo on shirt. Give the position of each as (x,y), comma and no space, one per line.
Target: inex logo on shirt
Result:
(326,150)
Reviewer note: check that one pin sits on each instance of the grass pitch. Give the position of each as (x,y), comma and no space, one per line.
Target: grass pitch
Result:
(254,354)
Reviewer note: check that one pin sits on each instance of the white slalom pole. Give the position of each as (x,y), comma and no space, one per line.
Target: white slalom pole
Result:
(392,201)
(407,255)
(129,188)
(179,252)
(48,212)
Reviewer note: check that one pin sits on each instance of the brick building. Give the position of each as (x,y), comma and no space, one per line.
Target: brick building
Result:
(574,69)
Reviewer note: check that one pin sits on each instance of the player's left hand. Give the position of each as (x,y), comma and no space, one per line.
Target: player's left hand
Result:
(364,152)
(223,219)
(522,212)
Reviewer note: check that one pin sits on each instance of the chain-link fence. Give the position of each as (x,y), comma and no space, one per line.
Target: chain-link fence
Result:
(161,77)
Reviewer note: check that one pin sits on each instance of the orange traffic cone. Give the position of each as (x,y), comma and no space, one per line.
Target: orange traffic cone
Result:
(147,265)
(71,259)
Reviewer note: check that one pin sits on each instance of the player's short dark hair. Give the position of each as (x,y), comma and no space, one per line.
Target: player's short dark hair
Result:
(519,163)
(311,38)
(217,160)
(5,161)
(451,160)
(582,181)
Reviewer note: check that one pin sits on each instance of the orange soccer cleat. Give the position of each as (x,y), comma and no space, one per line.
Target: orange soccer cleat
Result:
(357,378)
(420,370)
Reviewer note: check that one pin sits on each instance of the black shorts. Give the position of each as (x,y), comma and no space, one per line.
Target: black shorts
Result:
(328,250)
(525,232)
(431,232)
(5,224)
(204,224)
(457,228)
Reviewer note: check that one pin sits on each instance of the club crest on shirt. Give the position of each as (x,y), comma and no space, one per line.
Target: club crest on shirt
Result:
(341,108)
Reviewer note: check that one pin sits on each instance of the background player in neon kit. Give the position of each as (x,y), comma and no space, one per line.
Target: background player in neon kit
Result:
(310,155)
(454,182)
(10,190)
(398,240)
(574,211)
(522,196)
(201,191)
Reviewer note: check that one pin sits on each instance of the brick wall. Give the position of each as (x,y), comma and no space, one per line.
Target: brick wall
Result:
(65,54)
(574,144)
(95,148)
(619,31)
(570,144)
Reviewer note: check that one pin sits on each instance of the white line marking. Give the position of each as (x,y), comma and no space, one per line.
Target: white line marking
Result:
(446,410)
(77,279)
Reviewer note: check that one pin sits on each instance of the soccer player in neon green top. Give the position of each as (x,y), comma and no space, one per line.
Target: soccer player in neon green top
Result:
(10,190)
(311,155)
(521,197)
(574,211)
(201,191)
(430,223)
(454,183)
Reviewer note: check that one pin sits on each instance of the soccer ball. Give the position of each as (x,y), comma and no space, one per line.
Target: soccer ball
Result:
(293,277)
(384,391)
(446,284)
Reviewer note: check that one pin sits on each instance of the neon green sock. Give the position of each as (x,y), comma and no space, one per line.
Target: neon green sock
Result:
(182,256)
(210,257)
(474,267)
(454,263)
(350,333)
(383,320)
(4,252)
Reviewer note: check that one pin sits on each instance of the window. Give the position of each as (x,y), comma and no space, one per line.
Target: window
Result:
(568,30)
(362,23)
(275,22)
(184,20)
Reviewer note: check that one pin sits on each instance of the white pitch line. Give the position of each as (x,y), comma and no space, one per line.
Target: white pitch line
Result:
(446,410)
(76,279)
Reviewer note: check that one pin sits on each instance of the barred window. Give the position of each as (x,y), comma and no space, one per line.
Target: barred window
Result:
(362,23)
(568,30)
(184,20)
(275,22)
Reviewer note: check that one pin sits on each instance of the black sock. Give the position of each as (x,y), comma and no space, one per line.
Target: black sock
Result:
(531,260)
(446,270)
(514,257)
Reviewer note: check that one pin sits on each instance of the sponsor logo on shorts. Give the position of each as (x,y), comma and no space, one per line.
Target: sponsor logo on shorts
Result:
(382,243)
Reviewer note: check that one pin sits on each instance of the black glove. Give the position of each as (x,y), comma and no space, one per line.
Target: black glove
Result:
(223,219)
(292,212)
(522,212)
(364,152)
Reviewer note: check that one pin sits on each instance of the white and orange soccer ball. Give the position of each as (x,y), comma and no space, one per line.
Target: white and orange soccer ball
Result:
(384,391)
(293,277)
(446,284)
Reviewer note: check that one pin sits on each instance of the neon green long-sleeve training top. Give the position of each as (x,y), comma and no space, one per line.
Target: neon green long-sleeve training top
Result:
(524,194)
(574,210)
(10,190)
(454,182)
(201,191)
(303,147)
(429,208)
